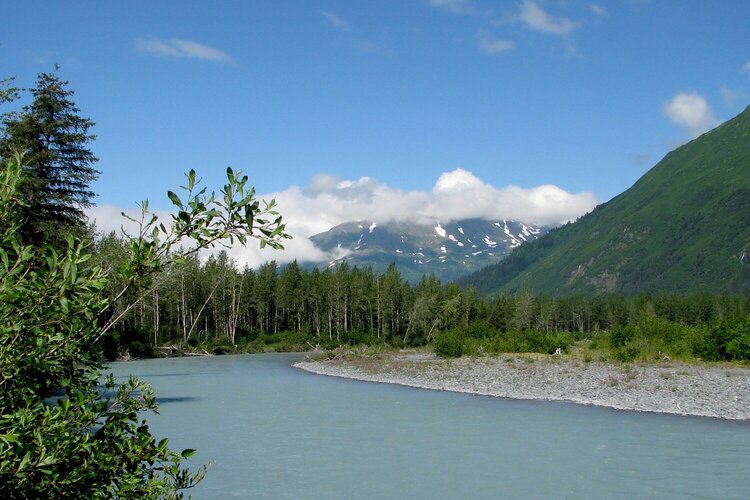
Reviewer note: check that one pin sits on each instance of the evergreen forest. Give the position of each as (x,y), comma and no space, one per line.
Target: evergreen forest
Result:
(215,307)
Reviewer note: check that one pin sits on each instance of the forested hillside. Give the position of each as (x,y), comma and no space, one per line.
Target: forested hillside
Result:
(682,227)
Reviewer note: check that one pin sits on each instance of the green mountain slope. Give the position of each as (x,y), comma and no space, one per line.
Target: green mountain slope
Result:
(684,226)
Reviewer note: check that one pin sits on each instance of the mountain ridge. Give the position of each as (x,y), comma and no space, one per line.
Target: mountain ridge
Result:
(683,226)
(448,250)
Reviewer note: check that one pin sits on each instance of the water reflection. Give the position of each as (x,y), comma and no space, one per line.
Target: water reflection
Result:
(178,399)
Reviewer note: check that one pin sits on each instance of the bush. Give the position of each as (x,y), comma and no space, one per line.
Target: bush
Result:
(739,347)
(449,344)
(482,329)
(531,341)
(629,352)
(729,340)
(621,335)
(64,433)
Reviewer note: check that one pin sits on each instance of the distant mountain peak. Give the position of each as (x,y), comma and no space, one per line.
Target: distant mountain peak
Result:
(447,249)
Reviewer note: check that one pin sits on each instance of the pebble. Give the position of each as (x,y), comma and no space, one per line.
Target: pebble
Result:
(683,389)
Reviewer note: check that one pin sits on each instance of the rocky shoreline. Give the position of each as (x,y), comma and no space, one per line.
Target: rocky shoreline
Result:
(669,387)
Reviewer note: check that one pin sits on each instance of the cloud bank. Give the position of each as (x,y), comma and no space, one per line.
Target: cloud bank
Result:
(327,201)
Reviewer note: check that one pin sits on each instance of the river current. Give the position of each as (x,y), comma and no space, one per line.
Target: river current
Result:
(273,431)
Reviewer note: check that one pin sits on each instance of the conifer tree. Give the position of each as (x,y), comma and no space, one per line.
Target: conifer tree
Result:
(54,140)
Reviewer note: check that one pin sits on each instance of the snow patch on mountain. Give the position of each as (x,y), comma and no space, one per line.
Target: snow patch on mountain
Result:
(424,248)
(514,241)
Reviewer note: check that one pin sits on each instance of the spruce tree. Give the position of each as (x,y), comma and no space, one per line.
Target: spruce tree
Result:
(53,138)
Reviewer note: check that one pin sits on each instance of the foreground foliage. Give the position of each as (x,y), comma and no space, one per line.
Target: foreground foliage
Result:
(65,433)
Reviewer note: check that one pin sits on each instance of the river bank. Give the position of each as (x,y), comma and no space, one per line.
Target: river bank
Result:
(667,387)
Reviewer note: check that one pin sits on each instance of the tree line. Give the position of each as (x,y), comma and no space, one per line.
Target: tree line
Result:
(215,304)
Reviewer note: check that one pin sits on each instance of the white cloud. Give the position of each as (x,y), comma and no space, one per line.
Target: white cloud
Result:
(537,19)
(109,218)
(598,10)
(328,201)
(176,47)
(490,45)
(460,195)
(454,6)
(336,21)
(746,68)
(690,111)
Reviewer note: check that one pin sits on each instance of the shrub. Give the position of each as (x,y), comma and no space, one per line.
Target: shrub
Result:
(621,335)
(449,344)
(739,347)
(729,340)
(482,329)
(64,433)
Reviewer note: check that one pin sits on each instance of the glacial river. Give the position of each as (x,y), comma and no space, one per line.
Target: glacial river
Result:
(273,431)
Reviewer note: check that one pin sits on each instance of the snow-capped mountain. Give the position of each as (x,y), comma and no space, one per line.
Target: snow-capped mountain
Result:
(448,250)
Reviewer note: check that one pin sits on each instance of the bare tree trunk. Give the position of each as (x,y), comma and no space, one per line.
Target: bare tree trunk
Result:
(234,311)
(156,315)
(184,314)
(197,317)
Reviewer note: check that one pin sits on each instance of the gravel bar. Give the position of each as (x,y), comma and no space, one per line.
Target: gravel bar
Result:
(669,387)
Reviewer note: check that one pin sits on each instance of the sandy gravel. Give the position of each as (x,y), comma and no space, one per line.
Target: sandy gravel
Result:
(668,387)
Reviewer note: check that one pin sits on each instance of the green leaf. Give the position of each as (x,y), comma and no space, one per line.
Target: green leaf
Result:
(175,199)
(9,438)
(24,461)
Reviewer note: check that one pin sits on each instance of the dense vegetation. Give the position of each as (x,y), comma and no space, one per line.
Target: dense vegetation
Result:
(65,430)
(214,306)
(683,227)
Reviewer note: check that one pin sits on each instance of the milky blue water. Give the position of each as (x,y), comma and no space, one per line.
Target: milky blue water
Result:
(273,431)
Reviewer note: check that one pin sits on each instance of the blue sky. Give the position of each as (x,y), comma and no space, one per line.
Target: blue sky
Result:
(498,96)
